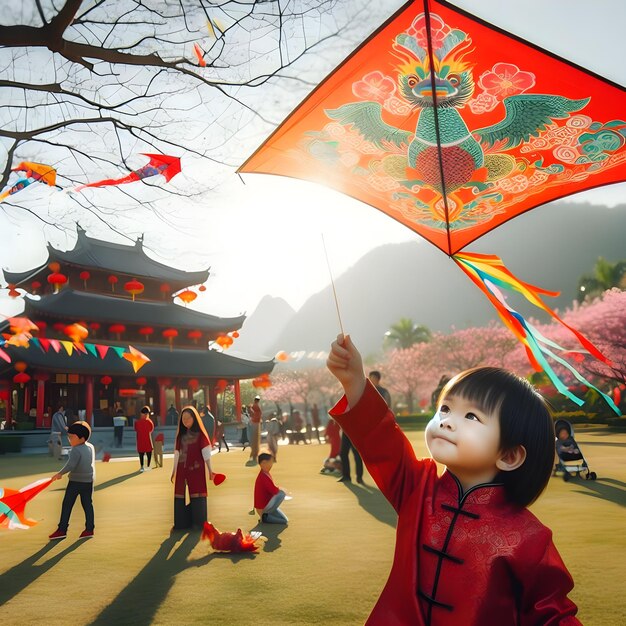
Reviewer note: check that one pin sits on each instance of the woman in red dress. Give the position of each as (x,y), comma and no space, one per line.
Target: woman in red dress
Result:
(143,428)
(192,457)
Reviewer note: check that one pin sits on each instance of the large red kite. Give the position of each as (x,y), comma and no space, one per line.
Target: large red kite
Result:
(13,504)
(452,127)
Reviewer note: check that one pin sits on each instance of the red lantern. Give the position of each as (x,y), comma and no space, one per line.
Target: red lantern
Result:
(202,288)
(193,384)
(117,330)
(41,327)
(263,381)
(112,280)
(141,381)
(35,285)
(94,325)
(221,385)
(57,280)
(106,381)
(22,378)
(85,276)
(165,289)
(282,356)
(195,335)
(169,334)
(235,335)
(20,366)
(13,292)
(187,296)
(54,267)
(146,331)
(134,287)
(59,326)
(225,341)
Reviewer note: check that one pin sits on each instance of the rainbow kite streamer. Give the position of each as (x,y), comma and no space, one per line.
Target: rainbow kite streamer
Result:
(489,274)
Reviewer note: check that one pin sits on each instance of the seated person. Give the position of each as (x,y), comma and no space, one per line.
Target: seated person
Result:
(267,495)
(566,446)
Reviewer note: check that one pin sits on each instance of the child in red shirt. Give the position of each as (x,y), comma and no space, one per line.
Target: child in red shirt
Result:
(144,427)
(267,495)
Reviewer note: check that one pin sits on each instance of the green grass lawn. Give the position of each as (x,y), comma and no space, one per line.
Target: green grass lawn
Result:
(327,567)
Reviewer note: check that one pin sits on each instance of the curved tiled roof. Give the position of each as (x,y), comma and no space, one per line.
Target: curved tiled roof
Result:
(93,307)
(114,257)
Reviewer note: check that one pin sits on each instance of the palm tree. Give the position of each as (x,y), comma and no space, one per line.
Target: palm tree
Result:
(606,275)
(404,333)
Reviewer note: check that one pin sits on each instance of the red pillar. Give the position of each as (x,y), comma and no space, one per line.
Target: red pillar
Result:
(9,412)
(237,400)
(89,400)
(41,405)
(27,393)
(177,398)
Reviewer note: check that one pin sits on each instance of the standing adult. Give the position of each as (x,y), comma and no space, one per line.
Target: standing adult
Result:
(256,416)
(346,446)
(375,377)
(119,421)
(315,421)
(57,430)
(244,440)
(192,457)
(208,419)
(273,432)
(143,428)
(171,417)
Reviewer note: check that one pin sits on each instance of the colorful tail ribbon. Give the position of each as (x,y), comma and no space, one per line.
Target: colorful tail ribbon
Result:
(489,274)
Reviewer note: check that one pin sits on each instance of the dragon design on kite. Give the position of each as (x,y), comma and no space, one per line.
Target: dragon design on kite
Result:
(479,171)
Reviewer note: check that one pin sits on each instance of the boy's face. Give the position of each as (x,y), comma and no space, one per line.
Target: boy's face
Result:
(267,464)
(465,439)
(75,440)
(563,434)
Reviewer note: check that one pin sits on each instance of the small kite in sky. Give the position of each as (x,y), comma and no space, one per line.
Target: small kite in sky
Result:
(30,173)
(159,164)
(137,359)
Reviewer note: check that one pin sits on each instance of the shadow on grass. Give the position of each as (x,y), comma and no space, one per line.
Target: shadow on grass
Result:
(19,577)
(603,488)
(139,601)
(271,533)
(373,501)
(114,481)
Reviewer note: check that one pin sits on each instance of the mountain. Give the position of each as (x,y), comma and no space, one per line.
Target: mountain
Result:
(259,333)
(550,247)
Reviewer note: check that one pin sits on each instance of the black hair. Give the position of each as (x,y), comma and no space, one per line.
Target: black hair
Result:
(264,456)
(375,373)
(145,409)
(196,427)
(81,429)
(525,420)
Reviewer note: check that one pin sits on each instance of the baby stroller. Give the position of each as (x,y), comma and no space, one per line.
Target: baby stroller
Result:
(570,459)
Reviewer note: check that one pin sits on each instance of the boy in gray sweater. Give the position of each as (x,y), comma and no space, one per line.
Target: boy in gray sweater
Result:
(80,466)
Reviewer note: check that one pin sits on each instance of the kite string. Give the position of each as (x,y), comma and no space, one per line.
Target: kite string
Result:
(332,282)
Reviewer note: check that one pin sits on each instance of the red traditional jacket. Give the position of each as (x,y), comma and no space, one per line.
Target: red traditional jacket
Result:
(144,428)
(461,559)
(264,490)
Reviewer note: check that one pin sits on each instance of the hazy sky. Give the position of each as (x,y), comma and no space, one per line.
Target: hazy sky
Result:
(265,237)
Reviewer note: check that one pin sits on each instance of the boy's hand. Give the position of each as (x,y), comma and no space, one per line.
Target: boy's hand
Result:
(56,477)
(345,363)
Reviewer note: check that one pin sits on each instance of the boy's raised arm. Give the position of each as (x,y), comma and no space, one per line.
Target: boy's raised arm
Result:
(346,365)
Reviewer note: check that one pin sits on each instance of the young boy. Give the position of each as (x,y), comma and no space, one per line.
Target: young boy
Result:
(267,495)
(80,466)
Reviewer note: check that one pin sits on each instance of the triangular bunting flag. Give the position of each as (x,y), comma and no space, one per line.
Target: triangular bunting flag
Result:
(91,348)
(69,346)
(80,347)
(102,350)
(35,341)
(119,351)
(55,345)
(45,343)
(5,356)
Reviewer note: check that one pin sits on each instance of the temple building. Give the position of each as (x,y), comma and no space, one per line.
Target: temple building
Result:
(93,302)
